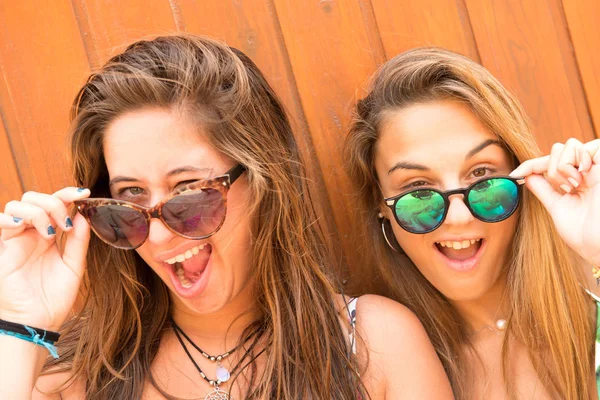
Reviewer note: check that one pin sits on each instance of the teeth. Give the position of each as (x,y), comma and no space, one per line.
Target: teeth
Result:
(458,245)
(185,256)
(185,282)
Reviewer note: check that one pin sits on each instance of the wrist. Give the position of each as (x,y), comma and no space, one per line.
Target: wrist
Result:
(21,364)
(29,320)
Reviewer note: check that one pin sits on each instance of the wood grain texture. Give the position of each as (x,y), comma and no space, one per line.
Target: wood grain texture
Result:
(10,184)
(405,24)
(525,45)
(108,26)
(253,27)
(583,19)
(331,57)
(41,72)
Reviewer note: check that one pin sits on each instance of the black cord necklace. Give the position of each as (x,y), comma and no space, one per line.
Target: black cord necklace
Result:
(222,373)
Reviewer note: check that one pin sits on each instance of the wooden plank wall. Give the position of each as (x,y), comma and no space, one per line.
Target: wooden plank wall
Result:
(318,54)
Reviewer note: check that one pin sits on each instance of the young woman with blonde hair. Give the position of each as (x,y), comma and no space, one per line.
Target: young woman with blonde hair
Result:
(206,276)
(491,255)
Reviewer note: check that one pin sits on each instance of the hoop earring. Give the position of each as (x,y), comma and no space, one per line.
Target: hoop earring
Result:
(384,234)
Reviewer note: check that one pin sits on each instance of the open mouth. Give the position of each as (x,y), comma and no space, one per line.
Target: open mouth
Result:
(459,251)
(461,255)
(188,267)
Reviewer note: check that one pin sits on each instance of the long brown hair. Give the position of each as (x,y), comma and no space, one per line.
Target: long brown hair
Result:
(549,311)
(112,342)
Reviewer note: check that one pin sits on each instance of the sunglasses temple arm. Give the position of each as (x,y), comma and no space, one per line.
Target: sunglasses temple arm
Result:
(235,172)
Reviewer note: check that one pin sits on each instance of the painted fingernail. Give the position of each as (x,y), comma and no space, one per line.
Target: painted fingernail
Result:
(68,222)
(51,230)
(16,220)
(81,190)
(566,188)
(573,182)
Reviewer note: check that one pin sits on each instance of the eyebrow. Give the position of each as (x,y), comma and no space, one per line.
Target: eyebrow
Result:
(407,166)
(482,146)
(176,171)
(418,167)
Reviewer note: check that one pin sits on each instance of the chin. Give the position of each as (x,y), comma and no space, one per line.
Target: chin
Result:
(469,291)
(202,304)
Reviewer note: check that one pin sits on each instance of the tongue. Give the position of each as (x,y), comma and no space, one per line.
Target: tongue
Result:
(197,263)
(462,254)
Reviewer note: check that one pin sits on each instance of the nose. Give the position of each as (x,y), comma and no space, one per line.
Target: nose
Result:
(159,233)
(458,212)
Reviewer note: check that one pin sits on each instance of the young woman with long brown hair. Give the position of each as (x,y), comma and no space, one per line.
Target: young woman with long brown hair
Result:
(207,276)
(491,255)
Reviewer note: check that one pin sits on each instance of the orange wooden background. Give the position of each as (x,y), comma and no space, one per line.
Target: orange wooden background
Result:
(317,54)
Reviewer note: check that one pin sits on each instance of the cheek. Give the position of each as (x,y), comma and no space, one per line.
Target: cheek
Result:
(233,241)
(502,235)
(415,246)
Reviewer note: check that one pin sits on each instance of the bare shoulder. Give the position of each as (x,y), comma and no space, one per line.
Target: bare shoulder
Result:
(388,326)
(402,362)
(58,386)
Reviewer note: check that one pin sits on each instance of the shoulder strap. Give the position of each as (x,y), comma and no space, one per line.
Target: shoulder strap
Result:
(351,307)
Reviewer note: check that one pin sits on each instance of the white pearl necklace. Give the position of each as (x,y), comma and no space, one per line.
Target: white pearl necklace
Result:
(498,330)
(501,325)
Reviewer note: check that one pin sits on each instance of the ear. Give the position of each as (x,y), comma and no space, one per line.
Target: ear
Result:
(384,210)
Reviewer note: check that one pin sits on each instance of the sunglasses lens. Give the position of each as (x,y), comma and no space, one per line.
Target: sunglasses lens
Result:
(494,199)
(121,226)
(420,211)
(196,213)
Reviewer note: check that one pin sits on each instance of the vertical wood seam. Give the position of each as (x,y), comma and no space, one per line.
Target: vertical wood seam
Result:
(82,21)
(578,68)
(3,120)
(177,16)
(12,150)
(370,21)
(463,9)
(323,193)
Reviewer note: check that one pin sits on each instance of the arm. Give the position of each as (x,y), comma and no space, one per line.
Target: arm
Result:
(402,363)
(38,282)
(21,363)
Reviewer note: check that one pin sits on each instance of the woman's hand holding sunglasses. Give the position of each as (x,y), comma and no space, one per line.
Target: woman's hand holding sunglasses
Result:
(567,182)
(39,282)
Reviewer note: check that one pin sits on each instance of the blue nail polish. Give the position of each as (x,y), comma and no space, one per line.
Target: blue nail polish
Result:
(16,220)
(69,223)
(80,189)
(51,230)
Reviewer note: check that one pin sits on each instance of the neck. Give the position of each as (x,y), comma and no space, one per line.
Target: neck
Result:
(222,329)
(486,310)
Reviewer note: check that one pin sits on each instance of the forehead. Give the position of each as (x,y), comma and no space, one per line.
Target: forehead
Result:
(431,133)
(148,143)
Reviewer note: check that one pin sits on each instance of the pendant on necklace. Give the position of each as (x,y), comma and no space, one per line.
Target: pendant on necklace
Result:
(501,325)
(222,373)
(218,394)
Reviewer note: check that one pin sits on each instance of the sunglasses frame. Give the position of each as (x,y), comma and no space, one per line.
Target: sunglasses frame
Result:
(221,183)
(392,201)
